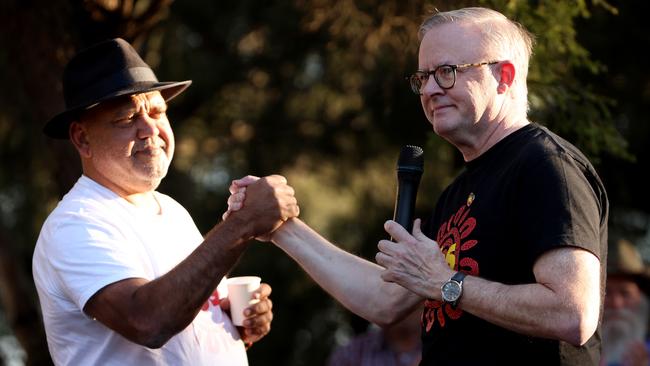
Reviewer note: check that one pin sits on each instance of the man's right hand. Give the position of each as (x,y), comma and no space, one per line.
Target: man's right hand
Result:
(262,203)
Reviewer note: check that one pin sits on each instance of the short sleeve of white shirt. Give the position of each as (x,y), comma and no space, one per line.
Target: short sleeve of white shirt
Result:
(93,255)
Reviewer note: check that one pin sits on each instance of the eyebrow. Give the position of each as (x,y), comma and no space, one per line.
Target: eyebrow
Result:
(128,105)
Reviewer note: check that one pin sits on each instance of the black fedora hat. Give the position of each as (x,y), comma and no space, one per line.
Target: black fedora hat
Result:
(101,72)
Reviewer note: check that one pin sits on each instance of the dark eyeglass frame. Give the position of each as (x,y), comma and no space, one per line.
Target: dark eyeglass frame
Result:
(416,85)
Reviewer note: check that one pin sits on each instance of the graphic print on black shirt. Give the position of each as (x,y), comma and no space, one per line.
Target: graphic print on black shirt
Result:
(453,240)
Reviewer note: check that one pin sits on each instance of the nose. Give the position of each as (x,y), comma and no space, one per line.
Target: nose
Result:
(431,87)
(147,126)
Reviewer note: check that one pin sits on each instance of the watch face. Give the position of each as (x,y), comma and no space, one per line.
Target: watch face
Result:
(451,291)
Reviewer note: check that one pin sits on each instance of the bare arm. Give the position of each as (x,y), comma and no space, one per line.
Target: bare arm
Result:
(353,281)
(564,303)
(151,312)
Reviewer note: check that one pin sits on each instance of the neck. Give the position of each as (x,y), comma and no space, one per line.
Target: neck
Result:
(146,201)
(141,197)
(490,136)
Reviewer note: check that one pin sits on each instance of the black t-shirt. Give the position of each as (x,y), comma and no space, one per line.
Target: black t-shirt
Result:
(531,192)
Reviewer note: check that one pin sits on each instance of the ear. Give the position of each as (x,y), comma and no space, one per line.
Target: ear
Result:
(506,76)
(79,138)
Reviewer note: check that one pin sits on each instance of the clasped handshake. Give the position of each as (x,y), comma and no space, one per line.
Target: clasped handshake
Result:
(269,202)
(264,205)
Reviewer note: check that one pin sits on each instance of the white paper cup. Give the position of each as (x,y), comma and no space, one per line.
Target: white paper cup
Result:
(240,295)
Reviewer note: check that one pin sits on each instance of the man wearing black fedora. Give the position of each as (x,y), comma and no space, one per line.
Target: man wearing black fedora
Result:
(122,272)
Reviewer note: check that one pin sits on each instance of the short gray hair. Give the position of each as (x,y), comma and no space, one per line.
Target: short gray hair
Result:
(510,38)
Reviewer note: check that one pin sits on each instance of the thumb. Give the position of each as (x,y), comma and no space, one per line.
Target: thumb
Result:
(417,231)
(419,235)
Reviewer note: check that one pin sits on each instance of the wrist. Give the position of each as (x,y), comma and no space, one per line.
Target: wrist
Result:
(240,226)
(282,232)
(452,290)
(291,232)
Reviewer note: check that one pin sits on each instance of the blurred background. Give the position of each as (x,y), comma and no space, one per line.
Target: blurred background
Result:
(313,90)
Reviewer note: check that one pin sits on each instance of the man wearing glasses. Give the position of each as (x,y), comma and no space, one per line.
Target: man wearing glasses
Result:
(510,264)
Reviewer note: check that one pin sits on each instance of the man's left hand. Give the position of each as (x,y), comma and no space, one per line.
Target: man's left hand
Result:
(415,262)
(258,316)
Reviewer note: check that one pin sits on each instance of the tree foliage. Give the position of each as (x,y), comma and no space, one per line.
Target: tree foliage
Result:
(311,89)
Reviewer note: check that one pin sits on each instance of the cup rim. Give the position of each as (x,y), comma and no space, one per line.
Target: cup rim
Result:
(243,280)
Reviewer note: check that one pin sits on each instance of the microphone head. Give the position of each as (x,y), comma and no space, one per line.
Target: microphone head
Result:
(411,158)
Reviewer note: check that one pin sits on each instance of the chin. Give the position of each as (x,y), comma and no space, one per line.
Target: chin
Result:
(441,128)
(149,181)
(151,185)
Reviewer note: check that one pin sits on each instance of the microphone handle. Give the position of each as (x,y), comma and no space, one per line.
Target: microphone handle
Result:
(405,203)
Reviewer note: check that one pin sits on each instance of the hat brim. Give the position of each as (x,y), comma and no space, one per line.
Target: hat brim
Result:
(641,279)
(59,125)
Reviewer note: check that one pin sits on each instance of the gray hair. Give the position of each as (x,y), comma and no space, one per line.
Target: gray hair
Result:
(508,38)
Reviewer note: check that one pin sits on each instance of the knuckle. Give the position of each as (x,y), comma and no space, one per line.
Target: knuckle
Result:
(278,179)
(260,307)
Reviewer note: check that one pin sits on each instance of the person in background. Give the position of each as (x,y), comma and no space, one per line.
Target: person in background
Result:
(393,345)
(124,277)
(511,263)
(625,320)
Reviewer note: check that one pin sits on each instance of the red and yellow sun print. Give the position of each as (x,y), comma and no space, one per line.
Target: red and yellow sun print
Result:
(452,238)
(213,299)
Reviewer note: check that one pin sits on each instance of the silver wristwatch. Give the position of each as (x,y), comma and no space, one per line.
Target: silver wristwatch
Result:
(452,290)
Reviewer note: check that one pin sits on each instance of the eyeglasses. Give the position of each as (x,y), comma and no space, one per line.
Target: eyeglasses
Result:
(445,76)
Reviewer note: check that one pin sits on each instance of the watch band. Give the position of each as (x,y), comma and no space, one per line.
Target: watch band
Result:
(459,277)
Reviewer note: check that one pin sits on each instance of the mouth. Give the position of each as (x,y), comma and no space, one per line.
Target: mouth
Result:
(151,150)
(439,108)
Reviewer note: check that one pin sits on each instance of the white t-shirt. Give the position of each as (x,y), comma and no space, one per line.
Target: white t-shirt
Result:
(94,238)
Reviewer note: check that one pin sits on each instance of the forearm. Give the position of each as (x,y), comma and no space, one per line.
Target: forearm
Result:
(563,304)
(353,281)
(149,313)
(531,309)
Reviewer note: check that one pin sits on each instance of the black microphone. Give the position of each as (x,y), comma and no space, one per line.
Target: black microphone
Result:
(410,166)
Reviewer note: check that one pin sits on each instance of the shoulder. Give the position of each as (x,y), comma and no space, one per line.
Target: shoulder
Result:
(87,211)
(543,155)
(541,144)
(86,201)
